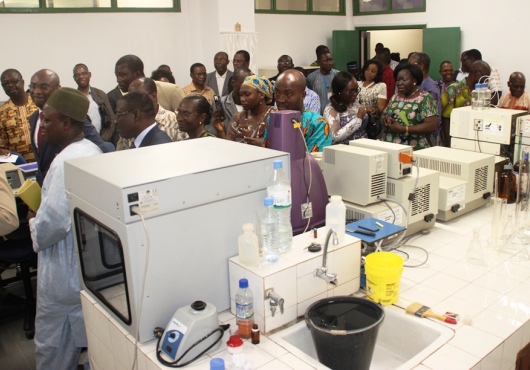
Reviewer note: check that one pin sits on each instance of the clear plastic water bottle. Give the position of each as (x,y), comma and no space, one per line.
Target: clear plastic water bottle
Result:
(248,246)
(336,216)
(244,309)
(279,189)
(476,98)
(485,90)
(269,229)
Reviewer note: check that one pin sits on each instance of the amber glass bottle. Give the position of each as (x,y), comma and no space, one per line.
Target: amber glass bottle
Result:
(507,184)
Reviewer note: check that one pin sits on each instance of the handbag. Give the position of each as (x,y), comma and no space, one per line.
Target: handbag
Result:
(373,126)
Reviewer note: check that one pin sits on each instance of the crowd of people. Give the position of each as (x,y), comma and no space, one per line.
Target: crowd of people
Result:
(387,100)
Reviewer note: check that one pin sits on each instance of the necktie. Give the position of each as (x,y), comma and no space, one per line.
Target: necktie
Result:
(39,133)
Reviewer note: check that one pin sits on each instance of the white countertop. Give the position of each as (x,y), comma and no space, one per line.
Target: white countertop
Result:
(493,300)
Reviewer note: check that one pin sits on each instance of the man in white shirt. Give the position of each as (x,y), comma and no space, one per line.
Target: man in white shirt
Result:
(219,80)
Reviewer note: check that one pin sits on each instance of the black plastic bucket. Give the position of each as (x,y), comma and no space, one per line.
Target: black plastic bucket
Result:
(344,331)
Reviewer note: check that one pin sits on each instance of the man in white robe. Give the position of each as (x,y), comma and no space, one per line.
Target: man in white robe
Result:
(59,327)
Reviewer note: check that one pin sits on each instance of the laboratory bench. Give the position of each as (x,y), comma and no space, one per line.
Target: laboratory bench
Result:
(493,302)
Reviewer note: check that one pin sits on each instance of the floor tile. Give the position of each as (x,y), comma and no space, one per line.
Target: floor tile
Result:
(459,306)
(465,271)
(454,252)
(521,291)
(445,283)
(451,358)
(275,365)
(475,341)
(423,294)
(512,270)
(14,361)
(478,295)
(498,283)
(294,362)
(512,307)
(496,323)
(417,274)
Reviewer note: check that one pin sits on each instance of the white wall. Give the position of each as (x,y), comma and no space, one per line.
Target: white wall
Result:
(295,35)
(59,41)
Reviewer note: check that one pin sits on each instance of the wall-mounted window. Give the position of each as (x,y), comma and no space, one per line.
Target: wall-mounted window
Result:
(331,7)
(79,6)
(366,7)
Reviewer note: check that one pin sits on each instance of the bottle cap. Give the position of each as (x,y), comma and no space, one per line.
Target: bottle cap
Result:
(234,344)
(478,86)
(217,364)
(243,283)
(336,198)
(268,201)
(278,163)
(508,166)
(248,227)
(255,327)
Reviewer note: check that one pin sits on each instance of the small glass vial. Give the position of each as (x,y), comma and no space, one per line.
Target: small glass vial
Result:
(237,27)
(254,336)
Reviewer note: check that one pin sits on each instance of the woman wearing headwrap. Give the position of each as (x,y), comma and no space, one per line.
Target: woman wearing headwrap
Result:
(249,125)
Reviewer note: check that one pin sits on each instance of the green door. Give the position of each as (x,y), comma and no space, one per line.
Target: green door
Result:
(441,44)
(346,48)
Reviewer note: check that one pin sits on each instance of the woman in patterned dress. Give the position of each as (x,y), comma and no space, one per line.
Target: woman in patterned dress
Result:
(411,113)
(344,113)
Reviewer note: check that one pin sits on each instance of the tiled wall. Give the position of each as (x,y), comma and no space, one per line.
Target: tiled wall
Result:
(293,279)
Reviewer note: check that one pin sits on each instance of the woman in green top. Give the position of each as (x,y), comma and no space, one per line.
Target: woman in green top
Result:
(411,113)
(193,113)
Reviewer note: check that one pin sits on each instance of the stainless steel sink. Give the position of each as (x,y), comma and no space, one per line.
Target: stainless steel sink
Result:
(403,341)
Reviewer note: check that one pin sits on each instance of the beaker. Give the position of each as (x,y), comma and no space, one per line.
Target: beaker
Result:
(495,240)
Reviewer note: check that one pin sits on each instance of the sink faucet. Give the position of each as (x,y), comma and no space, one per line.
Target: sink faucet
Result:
(276,301)
(322,273)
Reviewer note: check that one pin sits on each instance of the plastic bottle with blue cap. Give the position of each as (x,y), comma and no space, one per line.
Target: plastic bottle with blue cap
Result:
(217,364)
(279,189)
(269,229)
(244,309)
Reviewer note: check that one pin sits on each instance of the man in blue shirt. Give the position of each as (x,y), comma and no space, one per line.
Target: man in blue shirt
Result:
(320,80)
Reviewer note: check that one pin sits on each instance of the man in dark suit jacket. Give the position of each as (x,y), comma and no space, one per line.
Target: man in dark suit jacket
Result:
(128,68)
(114,95)
(135,119)
(43,84)
(221,73)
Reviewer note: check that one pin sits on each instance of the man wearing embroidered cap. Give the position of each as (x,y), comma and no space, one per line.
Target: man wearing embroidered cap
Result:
(59,326)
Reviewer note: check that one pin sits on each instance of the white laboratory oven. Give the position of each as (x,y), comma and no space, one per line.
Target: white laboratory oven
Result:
(195,195)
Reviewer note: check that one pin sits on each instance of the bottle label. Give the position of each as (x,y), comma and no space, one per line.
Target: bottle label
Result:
(244,311)
(282,197)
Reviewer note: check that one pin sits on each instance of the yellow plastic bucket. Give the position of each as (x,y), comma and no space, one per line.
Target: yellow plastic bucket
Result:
(383,277)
